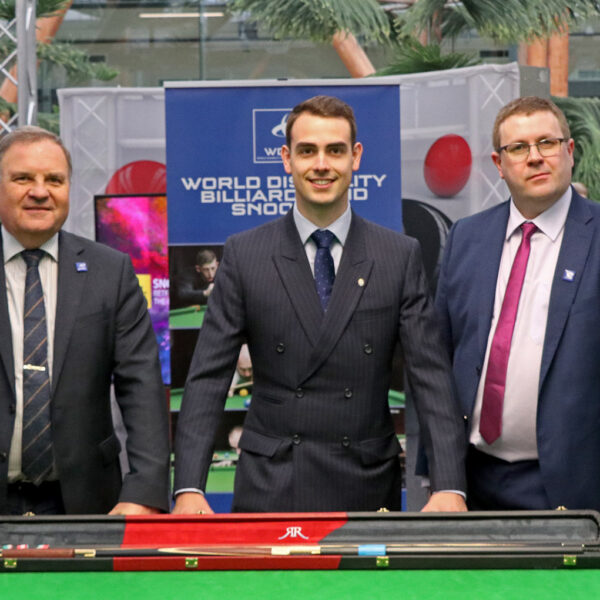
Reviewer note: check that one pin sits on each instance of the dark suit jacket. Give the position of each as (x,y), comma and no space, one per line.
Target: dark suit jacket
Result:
(568,420)
(189,288)
(318,434)
(103,332)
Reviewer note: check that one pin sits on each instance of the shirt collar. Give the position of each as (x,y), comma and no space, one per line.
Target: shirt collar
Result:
(11,247)
(340,227)
(550,222)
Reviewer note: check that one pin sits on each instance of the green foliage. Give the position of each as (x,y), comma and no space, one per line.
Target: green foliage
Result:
(49,121)
(505,21)
(44,8)
(76,63)
(318,20)
(413,57)
(583,116)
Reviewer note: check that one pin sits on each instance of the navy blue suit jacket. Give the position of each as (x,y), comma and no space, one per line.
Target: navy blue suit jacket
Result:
(568,417)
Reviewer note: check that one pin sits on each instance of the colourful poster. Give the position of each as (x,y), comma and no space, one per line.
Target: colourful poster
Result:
(137,225)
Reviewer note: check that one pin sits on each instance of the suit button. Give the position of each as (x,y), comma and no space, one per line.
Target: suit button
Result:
(348,393)
(12,409)
(280,348)
(478,370)
(3,456)
(296,439)
(345,441)
(299,393)
(368,349)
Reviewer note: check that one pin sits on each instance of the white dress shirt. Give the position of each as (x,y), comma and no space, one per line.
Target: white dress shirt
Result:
(15,271)
(518,440)
(340,228)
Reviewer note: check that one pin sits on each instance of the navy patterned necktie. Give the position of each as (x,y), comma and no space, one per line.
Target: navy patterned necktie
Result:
(36,453)
(324,268)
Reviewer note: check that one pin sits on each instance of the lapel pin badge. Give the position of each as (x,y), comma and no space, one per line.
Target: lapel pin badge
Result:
(568,275)
(361,282)
(81,267)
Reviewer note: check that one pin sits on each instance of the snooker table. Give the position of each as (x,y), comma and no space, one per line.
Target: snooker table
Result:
(508,556)
(305,585)
(190,317)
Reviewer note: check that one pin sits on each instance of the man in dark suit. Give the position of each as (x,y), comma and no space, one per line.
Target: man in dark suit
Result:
(542,448)
(318,434)
(94,330)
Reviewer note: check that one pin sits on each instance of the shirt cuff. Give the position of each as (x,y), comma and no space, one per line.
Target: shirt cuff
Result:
(194,490)
(450,492)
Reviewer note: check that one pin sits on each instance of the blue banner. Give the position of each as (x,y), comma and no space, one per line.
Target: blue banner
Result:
(224,169)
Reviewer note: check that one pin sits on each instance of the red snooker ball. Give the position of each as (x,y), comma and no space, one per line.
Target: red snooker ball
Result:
(139,177)
(447,165)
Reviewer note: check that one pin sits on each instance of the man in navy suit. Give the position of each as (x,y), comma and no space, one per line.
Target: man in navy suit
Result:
(318,435)
(97,331)
(546,449)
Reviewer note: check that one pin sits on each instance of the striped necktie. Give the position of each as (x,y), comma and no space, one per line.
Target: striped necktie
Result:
(36,454)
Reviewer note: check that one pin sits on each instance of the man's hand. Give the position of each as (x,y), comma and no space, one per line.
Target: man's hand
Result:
(445,502)
(130,508)
(191,503)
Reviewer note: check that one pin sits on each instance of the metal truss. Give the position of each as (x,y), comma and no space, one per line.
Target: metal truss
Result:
(20,31)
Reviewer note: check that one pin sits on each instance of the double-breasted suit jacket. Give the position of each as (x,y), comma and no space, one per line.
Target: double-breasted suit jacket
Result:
(318,434)
(103,334)
(568,403)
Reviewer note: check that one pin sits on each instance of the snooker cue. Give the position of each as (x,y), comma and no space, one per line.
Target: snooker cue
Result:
(299,550)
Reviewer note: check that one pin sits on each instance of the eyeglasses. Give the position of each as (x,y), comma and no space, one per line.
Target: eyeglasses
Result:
(519,151)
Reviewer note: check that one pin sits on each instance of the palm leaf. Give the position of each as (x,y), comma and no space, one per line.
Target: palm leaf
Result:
(76,62)
(583,116)
(505,21)
(49,121)
(414,57)
(318,20)
(44,8)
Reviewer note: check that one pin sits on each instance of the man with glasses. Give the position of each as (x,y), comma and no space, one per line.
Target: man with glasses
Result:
(519,298)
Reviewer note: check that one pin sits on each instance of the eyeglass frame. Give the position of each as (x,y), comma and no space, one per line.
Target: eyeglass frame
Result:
(536,144)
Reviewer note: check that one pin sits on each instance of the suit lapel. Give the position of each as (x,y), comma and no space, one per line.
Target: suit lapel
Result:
(351,280)
(70,287)
(488,251)
(6,351)
(293,268)
(575,247)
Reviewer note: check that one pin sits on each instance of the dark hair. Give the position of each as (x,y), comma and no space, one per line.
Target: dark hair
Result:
(527,106)
(205,257)
(29,134)
(322,106)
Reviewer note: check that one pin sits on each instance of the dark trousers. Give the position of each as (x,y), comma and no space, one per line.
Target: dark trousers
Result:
(495,484)
(26,498)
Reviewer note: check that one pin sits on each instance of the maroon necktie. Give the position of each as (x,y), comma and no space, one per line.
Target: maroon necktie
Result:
(490,424)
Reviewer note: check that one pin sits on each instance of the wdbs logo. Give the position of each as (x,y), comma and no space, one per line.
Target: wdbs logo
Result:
(268,134)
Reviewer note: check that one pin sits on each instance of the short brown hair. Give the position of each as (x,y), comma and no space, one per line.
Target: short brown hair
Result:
(205,257)
(322,106)
(528,105)
(29,134)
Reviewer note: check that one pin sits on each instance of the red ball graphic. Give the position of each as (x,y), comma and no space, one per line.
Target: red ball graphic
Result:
(139,177)
(447,165)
